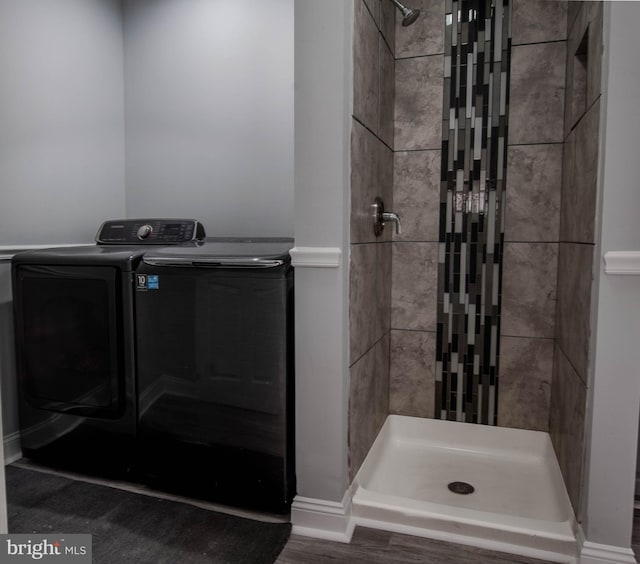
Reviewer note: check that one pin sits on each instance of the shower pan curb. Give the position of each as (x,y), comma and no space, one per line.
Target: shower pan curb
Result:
(393,490)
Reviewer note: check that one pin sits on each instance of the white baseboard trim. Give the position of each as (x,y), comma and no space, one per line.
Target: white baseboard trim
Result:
(595,553)
(12,450)
(322,519)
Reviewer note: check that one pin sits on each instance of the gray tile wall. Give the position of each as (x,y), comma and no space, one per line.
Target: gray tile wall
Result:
(525,382)
(412,368)
(370,257)
(576,249)
(416,197)
(532,217)
(566,422)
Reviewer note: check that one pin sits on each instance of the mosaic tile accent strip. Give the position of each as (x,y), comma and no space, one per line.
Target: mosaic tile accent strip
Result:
(472,202)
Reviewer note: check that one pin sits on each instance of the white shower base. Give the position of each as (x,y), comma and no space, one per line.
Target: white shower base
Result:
(519,505)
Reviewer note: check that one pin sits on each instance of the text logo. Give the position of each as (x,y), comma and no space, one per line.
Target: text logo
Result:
(45,548)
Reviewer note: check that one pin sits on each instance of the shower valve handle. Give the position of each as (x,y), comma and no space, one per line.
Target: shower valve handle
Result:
(380,218)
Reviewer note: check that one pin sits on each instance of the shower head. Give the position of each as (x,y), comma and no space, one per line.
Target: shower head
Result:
(408,15)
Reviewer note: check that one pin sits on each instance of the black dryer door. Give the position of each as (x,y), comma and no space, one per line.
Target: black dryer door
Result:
(67,320)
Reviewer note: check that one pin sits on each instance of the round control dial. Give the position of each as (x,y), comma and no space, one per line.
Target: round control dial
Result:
(144,231)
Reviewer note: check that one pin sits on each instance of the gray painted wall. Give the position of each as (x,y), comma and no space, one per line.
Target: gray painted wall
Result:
(61,109)
(209,113)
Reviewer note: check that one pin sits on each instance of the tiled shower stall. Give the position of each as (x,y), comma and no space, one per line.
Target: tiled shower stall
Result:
(549,213)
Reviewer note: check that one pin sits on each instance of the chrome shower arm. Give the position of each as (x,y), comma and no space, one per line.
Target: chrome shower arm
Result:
(408,15)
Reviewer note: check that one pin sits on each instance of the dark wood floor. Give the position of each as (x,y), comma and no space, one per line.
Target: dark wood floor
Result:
(369,546)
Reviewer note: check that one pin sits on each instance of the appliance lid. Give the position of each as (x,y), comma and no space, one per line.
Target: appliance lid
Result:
(225,252)
(123,257)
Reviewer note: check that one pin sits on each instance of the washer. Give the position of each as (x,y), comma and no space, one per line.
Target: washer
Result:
(74,324)
(215,365)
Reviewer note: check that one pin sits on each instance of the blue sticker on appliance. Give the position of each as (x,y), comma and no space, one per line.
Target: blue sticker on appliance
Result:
(153,282)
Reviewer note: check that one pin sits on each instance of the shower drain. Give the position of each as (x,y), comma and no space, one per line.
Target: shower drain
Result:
(461,488)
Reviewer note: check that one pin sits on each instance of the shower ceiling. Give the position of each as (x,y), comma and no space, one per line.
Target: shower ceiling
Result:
(472,203)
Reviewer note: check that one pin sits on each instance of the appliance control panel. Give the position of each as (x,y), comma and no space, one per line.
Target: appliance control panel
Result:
(149,231)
